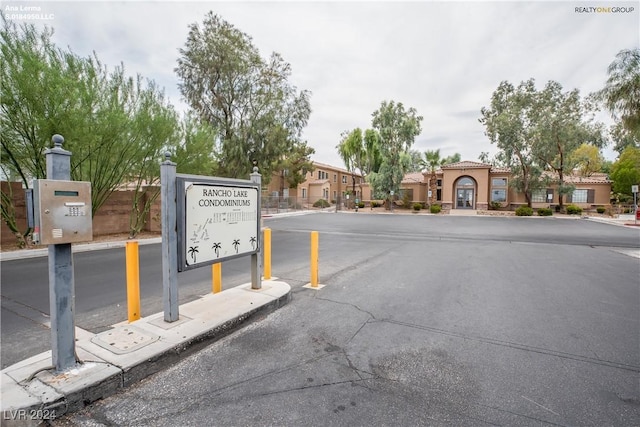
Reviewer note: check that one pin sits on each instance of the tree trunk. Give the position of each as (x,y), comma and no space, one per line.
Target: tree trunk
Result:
(433,187)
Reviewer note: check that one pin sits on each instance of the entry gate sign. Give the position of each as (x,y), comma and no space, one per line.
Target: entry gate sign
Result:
(217,220)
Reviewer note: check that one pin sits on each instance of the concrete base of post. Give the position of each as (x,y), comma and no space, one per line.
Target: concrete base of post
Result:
(310,286)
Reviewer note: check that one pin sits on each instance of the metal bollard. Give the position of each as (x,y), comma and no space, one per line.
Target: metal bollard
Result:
(133,281)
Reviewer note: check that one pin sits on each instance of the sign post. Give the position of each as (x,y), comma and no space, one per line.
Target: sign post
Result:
(634,190)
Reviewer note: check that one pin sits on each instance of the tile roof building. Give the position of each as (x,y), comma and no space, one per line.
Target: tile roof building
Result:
(461,185)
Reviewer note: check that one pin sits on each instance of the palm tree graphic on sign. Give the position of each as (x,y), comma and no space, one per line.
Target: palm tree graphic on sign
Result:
(253,242)
(216,247)
(193,250)
(235,244)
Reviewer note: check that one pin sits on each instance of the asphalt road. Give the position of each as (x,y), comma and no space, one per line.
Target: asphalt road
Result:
(424,320)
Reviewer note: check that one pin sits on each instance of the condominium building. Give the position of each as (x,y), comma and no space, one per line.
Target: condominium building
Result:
(461,185)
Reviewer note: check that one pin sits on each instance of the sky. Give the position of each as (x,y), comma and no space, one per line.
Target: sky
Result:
(445,59)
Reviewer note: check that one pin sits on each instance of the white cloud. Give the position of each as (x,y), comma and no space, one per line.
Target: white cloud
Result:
(443,58)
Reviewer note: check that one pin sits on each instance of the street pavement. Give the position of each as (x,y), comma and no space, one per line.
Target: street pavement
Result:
(441,328)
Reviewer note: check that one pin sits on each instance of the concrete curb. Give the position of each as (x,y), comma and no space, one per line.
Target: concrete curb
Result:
(32,392)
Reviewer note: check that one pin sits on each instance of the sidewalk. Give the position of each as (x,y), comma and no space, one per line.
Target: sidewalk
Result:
(32,392)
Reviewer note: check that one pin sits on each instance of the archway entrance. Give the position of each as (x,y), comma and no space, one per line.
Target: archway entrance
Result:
(465,193)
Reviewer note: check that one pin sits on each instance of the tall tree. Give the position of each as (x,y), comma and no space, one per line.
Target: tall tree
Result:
(559,128)
(295,166)
(621,96)
(360,154)
(587,159)
(194,151)
(508,125)
(397,129)
(258,114)
(625,172)
(114,125)
(352,152)
(417,163)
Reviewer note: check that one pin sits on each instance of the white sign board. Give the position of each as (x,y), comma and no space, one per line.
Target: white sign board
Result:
(634,188)
(220,222)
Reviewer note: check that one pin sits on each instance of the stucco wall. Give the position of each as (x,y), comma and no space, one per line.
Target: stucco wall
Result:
(111,218)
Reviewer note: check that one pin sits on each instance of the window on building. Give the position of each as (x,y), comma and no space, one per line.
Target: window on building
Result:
(579,196)
(344,179)
(439,190)
(405,191)
(335,177)
(499,190)
(335,194)
(498,195)
(304,193)
(539,196)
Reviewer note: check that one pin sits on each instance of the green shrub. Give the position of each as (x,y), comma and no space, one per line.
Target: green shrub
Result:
(545,212)
(524,211)
(417,207)
(361,205)
(374,204)
(321,203)
(574,210)
(601,209)
(434,209)
(494,206)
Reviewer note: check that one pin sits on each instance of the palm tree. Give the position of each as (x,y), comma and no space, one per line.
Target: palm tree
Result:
(216,247)
(193,250)
(621,93)
(253,242)
(432,160)
(235,244)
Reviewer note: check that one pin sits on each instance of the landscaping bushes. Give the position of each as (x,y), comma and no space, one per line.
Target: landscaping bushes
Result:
(574,210)
(434,209)
(494,206)
(545,212)
(601,209)
(524,211)
(321,203)
(417,207)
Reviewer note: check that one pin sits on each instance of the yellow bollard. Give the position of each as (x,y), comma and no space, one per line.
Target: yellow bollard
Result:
(133,280)
(267,254)
(216,273)
(314,259)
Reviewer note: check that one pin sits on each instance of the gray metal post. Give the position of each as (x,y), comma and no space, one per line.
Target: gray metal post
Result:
(256,259)
(169,239)
(61,284)
(635,206)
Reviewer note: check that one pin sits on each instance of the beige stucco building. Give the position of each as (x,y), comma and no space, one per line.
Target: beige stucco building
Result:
(462,185)
(325,182)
